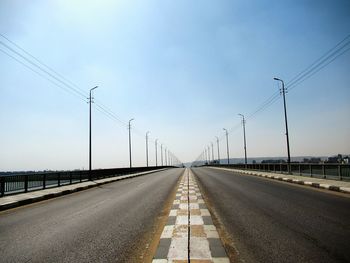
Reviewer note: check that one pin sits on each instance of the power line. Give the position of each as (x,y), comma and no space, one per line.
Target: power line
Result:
(40,74)
(43,64)
(51,75)
(331,55)
(317,61)
(318,69)
(105,108)
(43,70)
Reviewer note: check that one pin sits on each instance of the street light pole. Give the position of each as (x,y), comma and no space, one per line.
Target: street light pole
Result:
(156,152)
(130,142)
(165,157)
(161,152)
(283,91)
(245,143)
(208,147)
(212,151)
(147,147)
(217,142)
(228,154)
(90,102)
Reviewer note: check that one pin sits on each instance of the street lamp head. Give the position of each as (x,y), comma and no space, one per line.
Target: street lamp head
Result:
(94,88)
(131,120)
(279,80)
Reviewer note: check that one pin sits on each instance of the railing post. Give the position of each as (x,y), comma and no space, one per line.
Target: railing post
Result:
(2,185)
(324,171)
(59,179)
(310,170)
(80,175)
(44,181)
(281,168)
(26,183)
(299,169)
(339,172)
(70,177)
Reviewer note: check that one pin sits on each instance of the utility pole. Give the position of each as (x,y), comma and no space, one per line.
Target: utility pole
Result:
(156,152)
(147,147)
(283,91)
(217,142)
(208,152)
(165,157)
(130,142)
(208,147)
(90,102)
(228,152)
(245,142)
(161,152)
(212,151)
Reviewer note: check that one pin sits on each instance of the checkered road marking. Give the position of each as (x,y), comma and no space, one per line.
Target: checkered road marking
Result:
(189,214)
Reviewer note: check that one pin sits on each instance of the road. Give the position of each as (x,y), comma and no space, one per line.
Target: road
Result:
(102,224)
(272,221)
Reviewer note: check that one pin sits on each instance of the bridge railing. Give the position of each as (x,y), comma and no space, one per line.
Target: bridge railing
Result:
(325,171)
(24,182)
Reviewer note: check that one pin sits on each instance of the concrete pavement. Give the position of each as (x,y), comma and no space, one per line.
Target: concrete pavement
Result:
(332,185)
(272,221)
(114,222)
(16,200)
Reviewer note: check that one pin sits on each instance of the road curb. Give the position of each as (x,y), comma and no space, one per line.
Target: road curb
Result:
(18,203)
(281,177)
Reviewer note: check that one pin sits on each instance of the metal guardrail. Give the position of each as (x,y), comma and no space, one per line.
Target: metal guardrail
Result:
(22,183)
(325,171)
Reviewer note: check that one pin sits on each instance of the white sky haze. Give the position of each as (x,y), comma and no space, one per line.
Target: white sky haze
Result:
(183,69)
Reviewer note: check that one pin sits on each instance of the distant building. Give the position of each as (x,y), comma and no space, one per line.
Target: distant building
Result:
(338,159)
(346,160)
(273,161)
(312,160)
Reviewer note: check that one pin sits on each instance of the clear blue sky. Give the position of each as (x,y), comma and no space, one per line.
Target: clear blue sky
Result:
(183,69)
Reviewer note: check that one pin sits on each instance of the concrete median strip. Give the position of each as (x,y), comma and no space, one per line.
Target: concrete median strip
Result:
(189,234)
(12,201)
(332,185)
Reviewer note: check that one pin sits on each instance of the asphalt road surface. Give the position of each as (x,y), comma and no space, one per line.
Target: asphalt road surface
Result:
(271,221)
(102,224)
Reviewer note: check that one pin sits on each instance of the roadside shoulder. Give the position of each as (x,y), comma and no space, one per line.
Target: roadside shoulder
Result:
(331,185)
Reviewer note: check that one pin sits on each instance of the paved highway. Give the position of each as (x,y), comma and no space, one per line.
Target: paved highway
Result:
(271,221)
(102,224)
